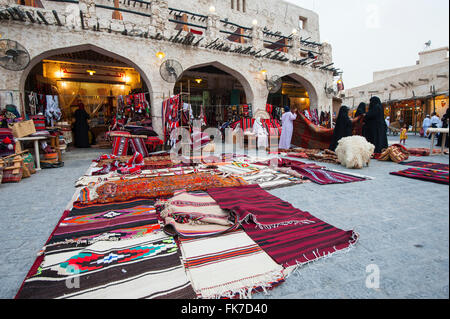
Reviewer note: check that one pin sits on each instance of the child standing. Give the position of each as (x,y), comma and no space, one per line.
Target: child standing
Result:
(404,134)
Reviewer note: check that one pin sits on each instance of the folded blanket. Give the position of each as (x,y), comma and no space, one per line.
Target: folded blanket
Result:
(195,215)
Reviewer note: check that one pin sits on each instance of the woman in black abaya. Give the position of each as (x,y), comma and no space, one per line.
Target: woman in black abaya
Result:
(375,128)
(81,127)
(343,127)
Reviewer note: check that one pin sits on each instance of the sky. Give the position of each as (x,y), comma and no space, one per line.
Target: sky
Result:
(375,35)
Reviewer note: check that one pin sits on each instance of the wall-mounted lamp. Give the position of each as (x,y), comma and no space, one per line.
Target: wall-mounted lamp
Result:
(160,55)
(255,22)
(294,31)
(59,74)
(198,81)
(212,9)
(91,72)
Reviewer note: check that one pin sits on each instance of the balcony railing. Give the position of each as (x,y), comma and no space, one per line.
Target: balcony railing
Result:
(217,33)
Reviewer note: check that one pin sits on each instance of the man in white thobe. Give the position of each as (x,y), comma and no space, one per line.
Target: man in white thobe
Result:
(287,121)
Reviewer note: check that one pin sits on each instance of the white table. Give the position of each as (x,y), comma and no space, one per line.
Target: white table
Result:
(433,132)
(35,139)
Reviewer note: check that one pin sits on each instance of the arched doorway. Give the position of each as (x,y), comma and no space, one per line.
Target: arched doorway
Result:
(109,86)
(294,92)
(222,94)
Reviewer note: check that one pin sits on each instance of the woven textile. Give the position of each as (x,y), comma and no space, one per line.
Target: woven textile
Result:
(297,244)
(429,175)
(195,215)
(308,135)
(228,266)
(146,267)
(155,187)
(107,222)
(252,203)
(396,153)
(320,175)
(428,165)
(289,235)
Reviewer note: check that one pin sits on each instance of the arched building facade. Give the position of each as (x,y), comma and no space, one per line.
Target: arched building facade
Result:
(249,45)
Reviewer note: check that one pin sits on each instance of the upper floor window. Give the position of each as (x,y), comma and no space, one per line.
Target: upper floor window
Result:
(239,5)
(302,23)
(31,3)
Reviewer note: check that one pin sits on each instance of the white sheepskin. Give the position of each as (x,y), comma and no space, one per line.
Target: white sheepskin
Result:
(354,152)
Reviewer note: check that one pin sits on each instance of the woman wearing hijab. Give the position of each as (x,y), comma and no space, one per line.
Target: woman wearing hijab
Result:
(342,129)
(287,122)
(81,127)
(358,124)
(361,109)
(261,133)
(374,129)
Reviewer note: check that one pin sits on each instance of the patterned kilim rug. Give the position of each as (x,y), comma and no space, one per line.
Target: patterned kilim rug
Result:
(310,136)
(429,175)
(151,188)
(289,235)
(251,202)
(429,165)
(320,175)
(107,222)
(145,267)
(228,266)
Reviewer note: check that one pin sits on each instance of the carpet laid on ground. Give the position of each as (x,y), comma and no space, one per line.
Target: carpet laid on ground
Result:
(290,236)
(429,175)
(107,222)
(228,266)
(428,165)
(145,267)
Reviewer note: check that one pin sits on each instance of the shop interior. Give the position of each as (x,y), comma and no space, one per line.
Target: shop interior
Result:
(109,89)
(216,93)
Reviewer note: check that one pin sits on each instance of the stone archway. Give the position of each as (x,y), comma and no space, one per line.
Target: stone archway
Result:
(236,74)
(309,87)
(221,91)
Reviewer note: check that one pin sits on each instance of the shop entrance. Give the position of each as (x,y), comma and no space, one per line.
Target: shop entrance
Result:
(214,93)
(298,96)
(109,89)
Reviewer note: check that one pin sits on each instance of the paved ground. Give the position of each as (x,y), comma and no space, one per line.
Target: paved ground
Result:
(403,224)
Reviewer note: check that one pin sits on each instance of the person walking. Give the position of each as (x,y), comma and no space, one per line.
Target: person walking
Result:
(287,122)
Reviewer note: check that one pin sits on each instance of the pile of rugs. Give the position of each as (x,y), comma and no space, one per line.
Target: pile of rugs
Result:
(199,228)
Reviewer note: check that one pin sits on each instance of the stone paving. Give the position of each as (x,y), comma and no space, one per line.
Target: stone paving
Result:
(403,226)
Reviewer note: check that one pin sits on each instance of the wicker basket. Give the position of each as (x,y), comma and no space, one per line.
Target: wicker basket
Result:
(13,169)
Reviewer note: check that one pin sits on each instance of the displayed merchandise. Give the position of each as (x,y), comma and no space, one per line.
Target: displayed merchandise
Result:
(424,174)
(146,267)
(428,165)
(239,265)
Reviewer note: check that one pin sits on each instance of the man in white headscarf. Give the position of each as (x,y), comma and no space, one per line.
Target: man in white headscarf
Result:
(261,133)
